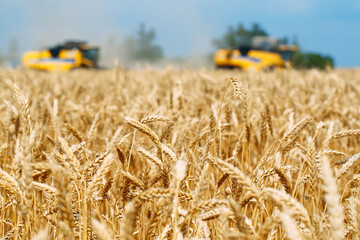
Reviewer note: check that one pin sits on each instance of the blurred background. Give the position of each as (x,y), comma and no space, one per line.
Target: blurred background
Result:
(184,33)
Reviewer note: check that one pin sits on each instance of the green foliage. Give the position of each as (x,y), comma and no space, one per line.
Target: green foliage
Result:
(284,40)
(14,57)
(239,36)
(2,58)
(142,47)
(312,60)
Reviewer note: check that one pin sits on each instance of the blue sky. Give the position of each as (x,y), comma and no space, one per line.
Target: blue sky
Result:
(184,27)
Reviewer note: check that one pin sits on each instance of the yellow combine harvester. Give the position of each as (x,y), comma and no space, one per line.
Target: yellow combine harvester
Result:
(264,53)
(64,57)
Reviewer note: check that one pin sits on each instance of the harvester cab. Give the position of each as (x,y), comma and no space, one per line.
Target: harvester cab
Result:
(287,53)
(263,53)
(70,55)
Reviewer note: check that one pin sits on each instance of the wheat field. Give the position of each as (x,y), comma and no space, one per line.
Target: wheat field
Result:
(179,154)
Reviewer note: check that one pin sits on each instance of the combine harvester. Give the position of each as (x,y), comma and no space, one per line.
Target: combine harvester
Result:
(70,55)
(265,53)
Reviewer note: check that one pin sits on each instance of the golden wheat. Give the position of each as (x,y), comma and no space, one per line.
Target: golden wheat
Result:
(171,154)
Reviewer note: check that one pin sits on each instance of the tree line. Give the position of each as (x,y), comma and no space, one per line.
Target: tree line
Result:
(142,47)
(12,57)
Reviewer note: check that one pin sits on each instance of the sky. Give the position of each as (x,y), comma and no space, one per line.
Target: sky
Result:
(185,27)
